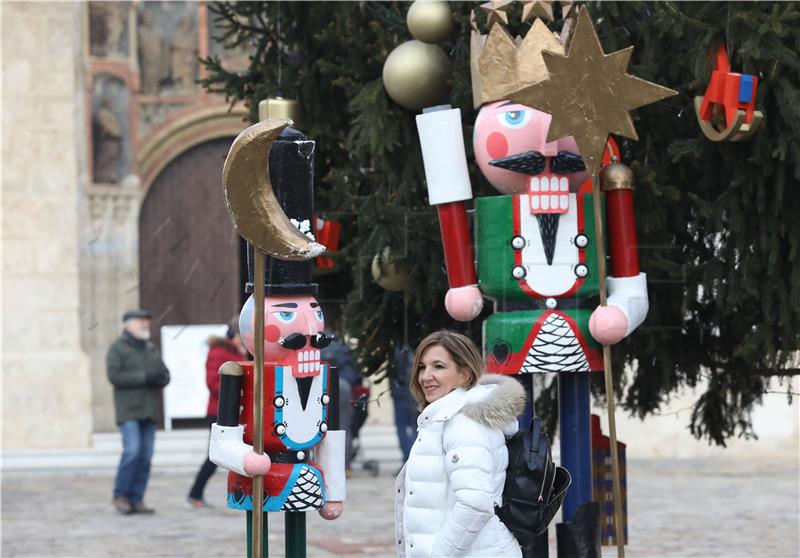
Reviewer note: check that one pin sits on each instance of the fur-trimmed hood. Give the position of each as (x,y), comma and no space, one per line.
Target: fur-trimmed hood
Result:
(495,401)
(499,405)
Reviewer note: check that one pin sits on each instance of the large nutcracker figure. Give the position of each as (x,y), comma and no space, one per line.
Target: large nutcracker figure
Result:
(302,465)
(536,243)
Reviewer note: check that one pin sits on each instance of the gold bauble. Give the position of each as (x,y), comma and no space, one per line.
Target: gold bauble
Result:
(390,277)
(417,75)
(278,107)
(616,176)
(430,21)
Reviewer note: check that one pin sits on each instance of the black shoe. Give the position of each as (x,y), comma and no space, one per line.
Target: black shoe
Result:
(139,507)
(122,505)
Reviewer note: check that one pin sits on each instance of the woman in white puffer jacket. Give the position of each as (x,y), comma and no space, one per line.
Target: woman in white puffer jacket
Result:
(448,488)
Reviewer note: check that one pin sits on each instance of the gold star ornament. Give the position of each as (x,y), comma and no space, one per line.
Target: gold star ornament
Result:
(496,11)
(589,93)
(543,9)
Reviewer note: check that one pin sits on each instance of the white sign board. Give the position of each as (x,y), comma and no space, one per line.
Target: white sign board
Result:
(184,349)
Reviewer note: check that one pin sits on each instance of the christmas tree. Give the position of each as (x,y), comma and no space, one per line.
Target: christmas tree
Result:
(718,235)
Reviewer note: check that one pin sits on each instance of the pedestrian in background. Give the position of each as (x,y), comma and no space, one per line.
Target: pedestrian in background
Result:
(340,358)
(447,490)
(138,374)
(220,351)
(405,408)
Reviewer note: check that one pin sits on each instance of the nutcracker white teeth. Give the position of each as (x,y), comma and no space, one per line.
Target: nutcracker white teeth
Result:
(548,193)
(307,365)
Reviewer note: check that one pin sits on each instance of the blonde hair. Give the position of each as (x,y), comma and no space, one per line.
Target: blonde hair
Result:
(460,348)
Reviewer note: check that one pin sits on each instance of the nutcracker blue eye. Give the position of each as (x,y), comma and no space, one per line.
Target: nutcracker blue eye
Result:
(318,313)
(285,316)
(514,118)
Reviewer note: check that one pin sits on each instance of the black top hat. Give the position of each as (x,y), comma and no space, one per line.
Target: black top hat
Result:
(291,171)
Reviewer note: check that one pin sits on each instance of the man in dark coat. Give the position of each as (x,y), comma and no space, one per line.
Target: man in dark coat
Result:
(138,375)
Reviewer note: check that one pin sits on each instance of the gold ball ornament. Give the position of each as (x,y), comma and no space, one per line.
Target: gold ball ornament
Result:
(616,176)
(387,274)
(430,21)
(417,75)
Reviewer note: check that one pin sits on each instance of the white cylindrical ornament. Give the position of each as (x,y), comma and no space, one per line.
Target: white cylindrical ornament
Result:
(443,156)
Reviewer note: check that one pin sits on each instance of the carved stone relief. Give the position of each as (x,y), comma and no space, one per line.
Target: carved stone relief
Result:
(167,44)
(183,56)
(111,140)
(108,29)
(152,68)
(151,115)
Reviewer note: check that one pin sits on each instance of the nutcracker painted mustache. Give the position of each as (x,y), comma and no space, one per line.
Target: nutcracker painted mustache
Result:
(275,427)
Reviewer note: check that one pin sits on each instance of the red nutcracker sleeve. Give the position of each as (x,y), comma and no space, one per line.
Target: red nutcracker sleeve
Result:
(457,244)
(623,248)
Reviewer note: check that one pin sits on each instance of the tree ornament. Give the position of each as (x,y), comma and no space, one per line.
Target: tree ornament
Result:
(537,8)
(417,75)
(727,110)
(387,273)
(430,21)
(278,107)
(496,12)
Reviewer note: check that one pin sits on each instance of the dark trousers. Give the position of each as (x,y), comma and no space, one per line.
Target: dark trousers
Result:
(206,471)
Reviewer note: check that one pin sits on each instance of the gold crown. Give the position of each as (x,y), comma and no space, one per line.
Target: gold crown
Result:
(501,64)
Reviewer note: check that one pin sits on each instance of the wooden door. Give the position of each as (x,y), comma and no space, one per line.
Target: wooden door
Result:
(189,251)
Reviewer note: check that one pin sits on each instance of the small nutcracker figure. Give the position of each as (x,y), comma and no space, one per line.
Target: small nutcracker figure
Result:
(303,461)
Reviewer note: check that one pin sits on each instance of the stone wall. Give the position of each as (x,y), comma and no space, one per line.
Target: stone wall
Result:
(46,385)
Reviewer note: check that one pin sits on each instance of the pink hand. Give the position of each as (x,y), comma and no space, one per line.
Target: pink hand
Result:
(331,510)
(255,464)
(608,324)
(464,303)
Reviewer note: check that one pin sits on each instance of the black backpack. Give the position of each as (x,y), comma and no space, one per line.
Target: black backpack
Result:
(534,487)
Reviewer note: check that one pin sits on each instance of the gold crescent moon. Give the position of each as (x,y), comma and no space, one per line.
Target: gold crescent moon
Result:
(252,204)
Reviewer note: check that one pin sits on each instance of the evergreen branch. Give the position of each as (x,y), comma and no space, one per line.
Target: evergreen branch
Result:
(696,23)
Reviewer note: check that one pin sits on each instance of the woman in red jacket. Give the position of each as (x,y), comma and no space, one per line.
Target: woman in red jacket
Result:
(221,350)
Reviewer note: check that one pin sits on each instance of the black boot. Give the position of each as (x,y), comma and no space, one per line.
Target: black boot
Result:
(580,538)
(538,549)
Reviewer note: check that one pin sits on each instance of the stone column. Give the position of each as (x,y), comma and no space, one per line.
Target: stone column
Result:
(46,385)
(109,262)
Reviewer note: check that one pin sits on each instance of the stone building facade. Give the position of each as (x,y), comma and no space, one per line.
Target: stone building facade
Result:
(101,104)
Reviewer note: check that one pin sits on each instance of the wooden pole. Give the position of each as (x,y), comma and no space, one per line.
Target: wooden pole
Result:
(258,399)
(609,384)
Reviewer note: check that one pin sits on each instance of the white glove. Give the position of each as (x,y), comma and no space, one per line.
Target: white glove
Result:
(227,448)
(629,294)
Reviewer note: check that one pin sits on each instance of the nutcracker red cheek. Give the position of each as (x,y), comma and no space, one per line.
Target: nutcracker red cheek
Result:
(504,129)
(289,323)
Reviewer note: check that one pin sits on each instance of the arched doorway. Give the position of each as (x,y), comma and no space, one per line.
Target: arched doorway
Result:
(189,251)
